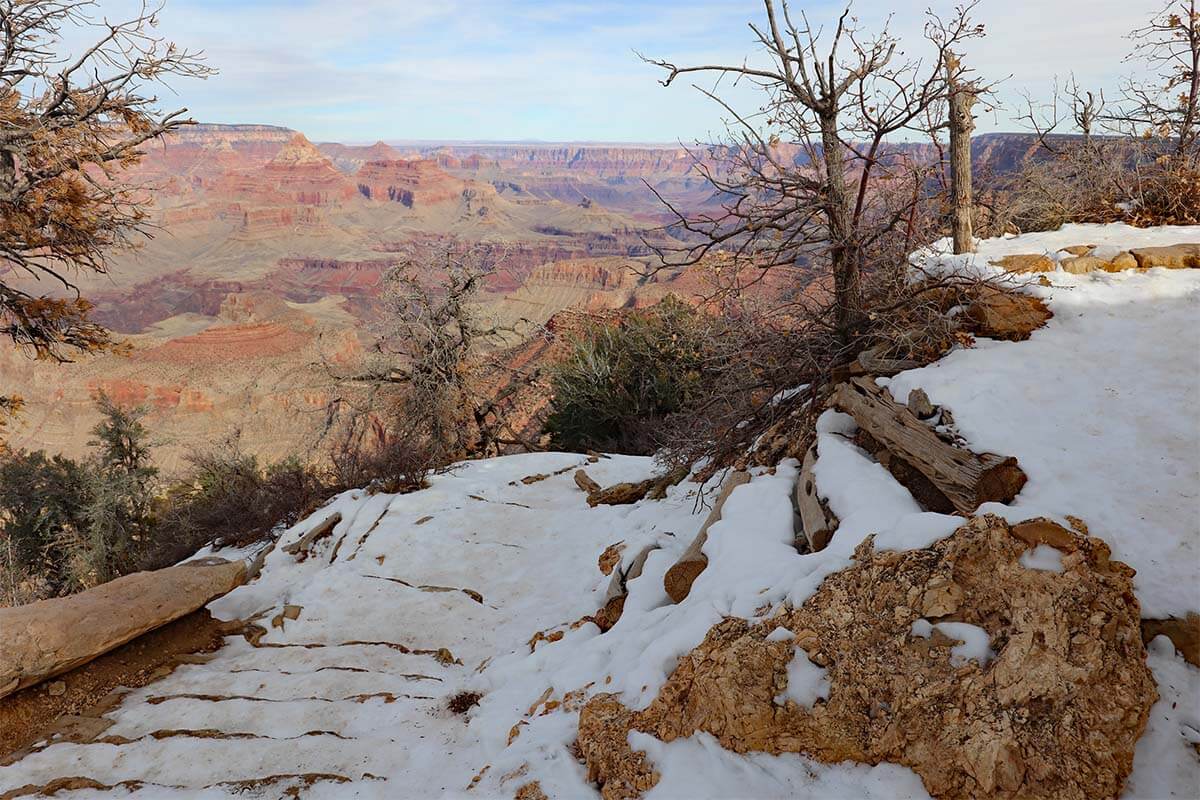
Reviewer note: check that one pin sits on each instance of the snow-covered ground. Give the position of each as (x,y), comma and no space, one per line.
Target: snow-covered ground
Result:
(1100,407)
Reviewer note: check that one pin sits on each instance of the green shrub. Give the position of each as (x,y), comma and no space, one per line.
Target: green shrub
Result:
(620,381)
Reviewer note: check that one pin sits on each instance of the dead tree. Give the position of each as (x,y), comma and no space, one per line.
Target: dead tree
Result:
(961,123)
(805,175)
(1166,105)
(68,127)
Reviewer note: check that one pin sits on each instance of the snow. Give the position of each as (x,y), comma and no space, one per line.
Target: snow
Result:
(1099,408)
(699,767)
(1043,557)
(973,640)
(806,682)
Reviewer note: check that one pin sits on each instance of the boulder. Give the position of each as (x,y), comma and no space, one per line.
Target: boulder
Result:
(1080,265)
(1120,262)
(50,637)
(1028,262)
(1175,256)
(905,641)
(1004,315)
(1079,249)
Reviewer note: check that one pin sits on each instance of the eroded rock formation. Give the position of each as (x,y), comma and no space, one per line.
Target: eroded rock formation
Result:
(1054,710)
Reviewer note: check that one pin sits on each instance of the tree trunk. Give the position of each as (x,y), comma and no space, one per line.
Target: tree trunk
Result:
(962,98)
(843,250)
(965,478)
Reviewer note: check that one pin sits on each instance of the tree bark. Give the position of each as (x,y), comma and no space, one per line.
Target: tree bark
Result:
(816,520)
(843,249)
(962,98)
(965,478)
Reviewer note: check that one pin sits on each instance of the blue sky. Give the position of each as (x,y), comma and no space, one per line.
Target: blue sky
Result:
(361,70)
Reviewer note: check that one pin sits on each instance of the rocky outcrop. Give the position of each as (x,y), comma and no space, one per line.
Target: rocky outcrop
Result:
(50,637)
(409,183)
(1176,256)
(987,677)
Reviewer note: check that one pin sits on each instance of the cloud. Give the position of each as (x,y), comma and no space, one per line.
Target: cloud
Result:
(521,69)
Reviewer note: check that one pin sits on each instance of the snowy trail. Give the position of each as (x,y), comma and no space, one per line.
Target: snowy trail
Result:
(356,688)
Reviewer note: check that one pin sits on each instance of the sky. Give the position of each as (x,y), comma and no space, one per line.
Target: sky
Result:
(499,70)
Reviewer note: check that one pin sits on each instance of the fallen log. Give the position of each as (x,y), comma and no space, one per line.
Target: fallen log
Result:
(817,522)
(50,637)
(618,589)
(683,573)
(300,547)
(966,479)
(585,482)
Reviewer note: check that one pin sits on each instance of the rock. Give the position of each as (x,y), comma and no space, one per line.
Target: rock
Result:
(50,637)
(919,404)
(603,741)
(530,791)
(56,688)
(1002,315)
(620,494)
(584,482)
(1055,713)
(1079,249)
(1183,633)
(610,557)
(1042,531)
(1175,256)
(1121,261)
(1080,265)
(1031,262)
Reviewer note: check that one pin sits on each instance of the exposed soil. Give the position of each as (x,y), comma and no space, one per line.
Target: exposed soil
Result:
(85,693)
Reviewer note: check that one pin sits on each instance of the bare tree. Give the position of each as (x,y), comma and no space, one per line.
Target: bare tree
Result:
(805,182)
(961,122)
(1168,104)
(69,124)
(437,375)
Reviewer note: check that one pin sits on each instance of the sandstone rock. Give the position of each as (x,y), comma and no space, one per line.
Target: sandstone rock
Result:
(50,637)
(919,404)
(530,791)
(1030,262)
(585,482)
(1121,261)
(621,773)
(1175,256)
(610,557)
(620,494)
(1001,315)
(1081,265)
(1055,713)
(1079,249)
(1183,633)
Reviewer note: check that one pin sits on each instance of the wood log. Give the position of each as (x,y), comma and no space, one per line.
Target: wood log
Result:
(967,479)
(679,578)
(618,589)
(817,522)
(50,637)
(299,548)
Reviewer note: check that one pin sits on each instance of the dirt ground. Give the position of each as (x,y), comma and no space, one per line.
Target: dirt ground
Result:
(70,706)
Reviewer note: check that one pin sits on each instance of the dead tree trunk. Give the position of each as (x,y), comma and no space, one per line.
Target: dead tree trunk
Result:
(817,522)
(679,578)
(962,98)
(967,479)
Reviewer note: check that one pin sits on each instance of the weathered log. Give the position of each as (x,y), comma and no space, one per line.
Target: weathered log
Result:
(618,589)
(50,637)
(679,578)
(585,483)
(300,547)
(817,522)
(967,479)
